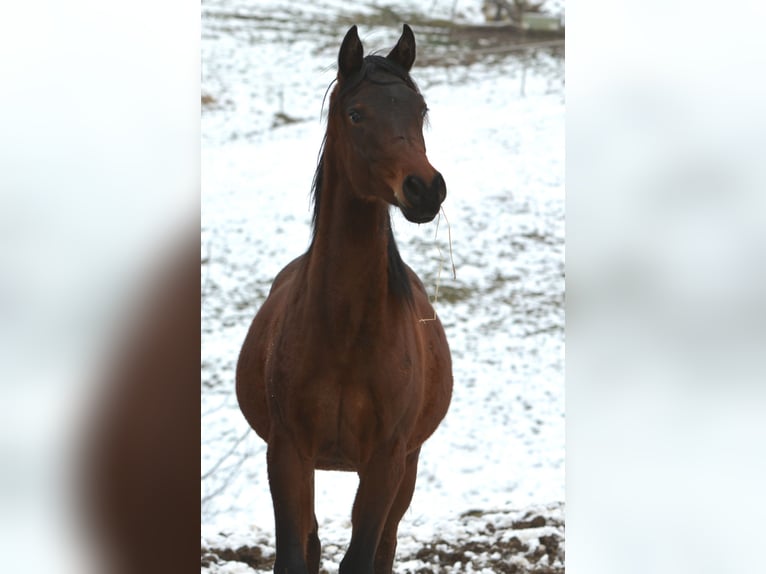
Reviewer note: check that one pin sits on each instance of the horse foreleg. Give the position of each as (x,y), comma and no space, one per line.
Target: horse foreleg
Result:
(291,478)
(314,550)
(384,558)
(379,482)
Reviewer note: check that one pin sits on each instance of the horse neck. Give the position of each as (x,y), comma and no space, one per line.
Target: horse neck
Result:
(348,259)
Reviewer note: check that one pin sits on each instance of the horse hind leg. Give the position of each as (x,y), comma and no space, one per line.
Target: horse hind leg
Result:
(384,557)
(291,479)
(379,483)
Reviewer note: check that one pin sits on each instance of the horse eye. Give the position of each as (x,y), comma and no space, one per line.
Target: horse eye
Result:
(424,112)
(355,116)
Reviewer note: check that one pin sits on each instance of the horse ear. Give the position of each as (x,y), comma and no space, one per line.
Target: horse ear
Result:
(404,51)
(350,54)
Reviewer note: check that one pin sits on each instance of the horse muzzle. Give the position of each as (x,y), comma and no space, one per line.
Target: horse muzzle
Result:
(422,201)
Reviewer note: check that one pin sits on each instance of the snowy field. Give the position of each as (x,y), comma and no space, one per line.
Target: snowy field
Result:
(492,476)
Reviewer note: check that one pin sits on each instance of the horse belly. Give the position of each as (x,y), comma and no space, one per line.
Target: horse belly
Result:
(250,382)
(437,383)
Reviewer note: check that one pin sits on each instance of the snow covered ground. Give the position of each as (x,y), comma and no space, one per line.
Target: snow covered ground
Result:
(497,135)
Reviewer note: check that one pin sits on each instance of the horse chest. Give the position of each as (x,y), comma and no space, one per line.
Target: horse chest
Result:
(329,386)
(359,415)
(342,407)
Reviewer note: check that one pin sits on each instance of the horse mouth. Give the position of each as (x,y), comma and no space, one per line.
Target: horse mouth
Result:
(414,216)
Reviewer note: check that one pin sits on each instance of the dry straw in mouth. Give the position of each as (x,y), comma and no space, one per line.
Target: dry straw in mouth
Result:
(435,298)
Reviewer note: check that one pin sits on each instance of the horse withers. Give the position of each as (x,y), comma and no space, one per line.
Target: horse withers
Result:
(346,366)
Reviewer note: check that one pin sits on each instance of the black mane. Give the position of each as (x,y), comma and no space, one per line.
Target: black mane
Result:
(398,280)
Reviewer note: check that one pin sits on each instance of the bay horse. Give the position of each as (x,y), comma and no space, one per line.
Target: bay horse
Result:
(343,367)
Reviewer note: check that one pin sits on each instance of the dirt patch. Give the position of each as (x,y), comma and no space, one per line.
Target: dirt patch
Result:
(505,542)
(253,556)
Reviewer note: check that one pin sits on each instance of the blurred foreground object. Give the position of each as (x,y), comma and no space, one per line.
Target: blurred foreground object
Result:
(99,172)
(666,318)
(142,453)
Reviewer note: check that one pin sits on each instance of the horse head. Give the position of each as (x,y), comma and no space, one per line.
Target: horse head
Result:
(377,111)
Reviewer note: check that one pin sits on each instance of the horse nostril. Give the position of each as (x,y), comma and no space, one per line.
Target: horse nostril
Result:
(413,188)
(439,186)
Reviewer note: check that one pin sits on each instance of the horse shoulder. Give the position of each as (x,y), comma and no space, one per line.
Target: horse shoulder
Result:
(421,301)
(287,273)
